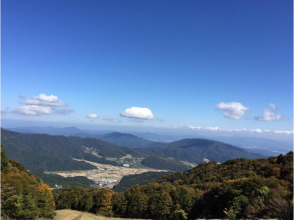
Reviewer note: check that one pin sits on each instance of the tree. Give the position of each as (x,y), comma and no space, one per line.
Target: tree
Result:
(160,205)
(4,161)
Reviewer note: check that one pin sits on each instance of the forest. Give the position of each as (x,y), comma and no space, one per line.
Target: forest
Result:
(236,189)
(22,195)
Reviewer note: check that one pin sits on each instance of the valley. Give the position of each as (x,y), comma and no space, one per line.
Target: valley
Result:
(104,176)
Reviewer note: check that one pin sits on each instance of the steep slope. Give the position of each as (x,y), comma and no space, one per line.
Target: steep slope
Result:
(22,195)
(195,150)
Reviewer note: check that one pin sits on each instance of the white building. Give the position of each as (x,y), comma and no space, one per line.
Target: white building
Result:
(126,165)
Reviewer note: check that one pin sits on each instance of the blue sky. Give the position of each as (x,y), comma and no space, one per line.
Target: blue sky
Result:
(191,63)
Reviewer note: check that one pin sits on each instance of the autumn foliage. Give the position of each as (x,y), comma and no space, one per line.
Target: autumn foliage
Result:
(22,195)
(236,189)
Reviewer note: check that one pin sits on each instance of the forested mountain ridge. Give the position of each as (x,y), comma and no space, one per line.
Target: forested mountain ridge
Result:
(120,139)
(253,189)
(194,150)
(41,152)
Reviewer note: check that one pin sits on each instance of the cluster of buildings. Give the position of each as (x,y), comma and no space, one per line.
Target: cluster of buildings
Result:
(105,184)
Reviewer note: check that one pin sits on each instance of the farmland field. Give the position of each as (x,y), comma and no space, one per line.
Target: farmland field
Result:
(105,172)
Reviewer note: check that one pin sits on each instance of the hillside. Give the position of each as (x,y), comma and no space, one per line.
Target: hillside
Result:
(22,195)
(164,163)
(236,189)
(42,152)
(140,179)
(195,150)
(121,139)
(53,179)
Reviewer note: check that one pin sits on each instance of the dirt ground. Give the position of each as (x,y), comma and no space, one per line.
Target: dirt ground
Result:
(67,214)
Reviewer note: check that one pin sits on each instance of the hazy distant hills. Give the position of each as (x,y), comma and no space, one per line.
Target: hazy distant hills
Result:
(131,139)
(121,139)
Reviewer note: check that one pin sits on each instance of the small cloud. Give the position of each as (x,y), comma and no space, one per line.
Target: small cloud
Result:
(158,119)
(93,116)
(138,113)
(255,130)
(45,100)
(21,97)
(270,114)
(33,110)
(112,120)
(233,110)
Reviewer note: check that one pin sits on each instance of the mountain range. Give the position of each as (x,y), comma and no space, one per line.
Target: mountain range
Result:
(42,152)
(266,147)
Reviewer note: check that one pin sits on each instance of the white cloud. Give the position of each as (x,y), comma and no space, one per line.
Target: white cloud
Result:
(93,116)
(138,113)
(43,99)
(255,130)
(33,110)
(243,130)
(194,128)
(112,120)
(233,110)
(269,114)
(213,129)
(284,132)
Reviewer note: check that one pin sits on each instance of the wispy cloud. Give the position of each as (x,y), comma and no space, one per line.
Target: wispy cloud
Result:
(233,110)
(137,112)
(112,120)
(270,114)
(21,97)
(243,130)
(63,111)
(136,120)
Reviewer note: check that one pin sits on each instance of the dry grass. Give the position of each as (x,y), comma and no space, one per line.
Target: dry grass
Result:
(67,214)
